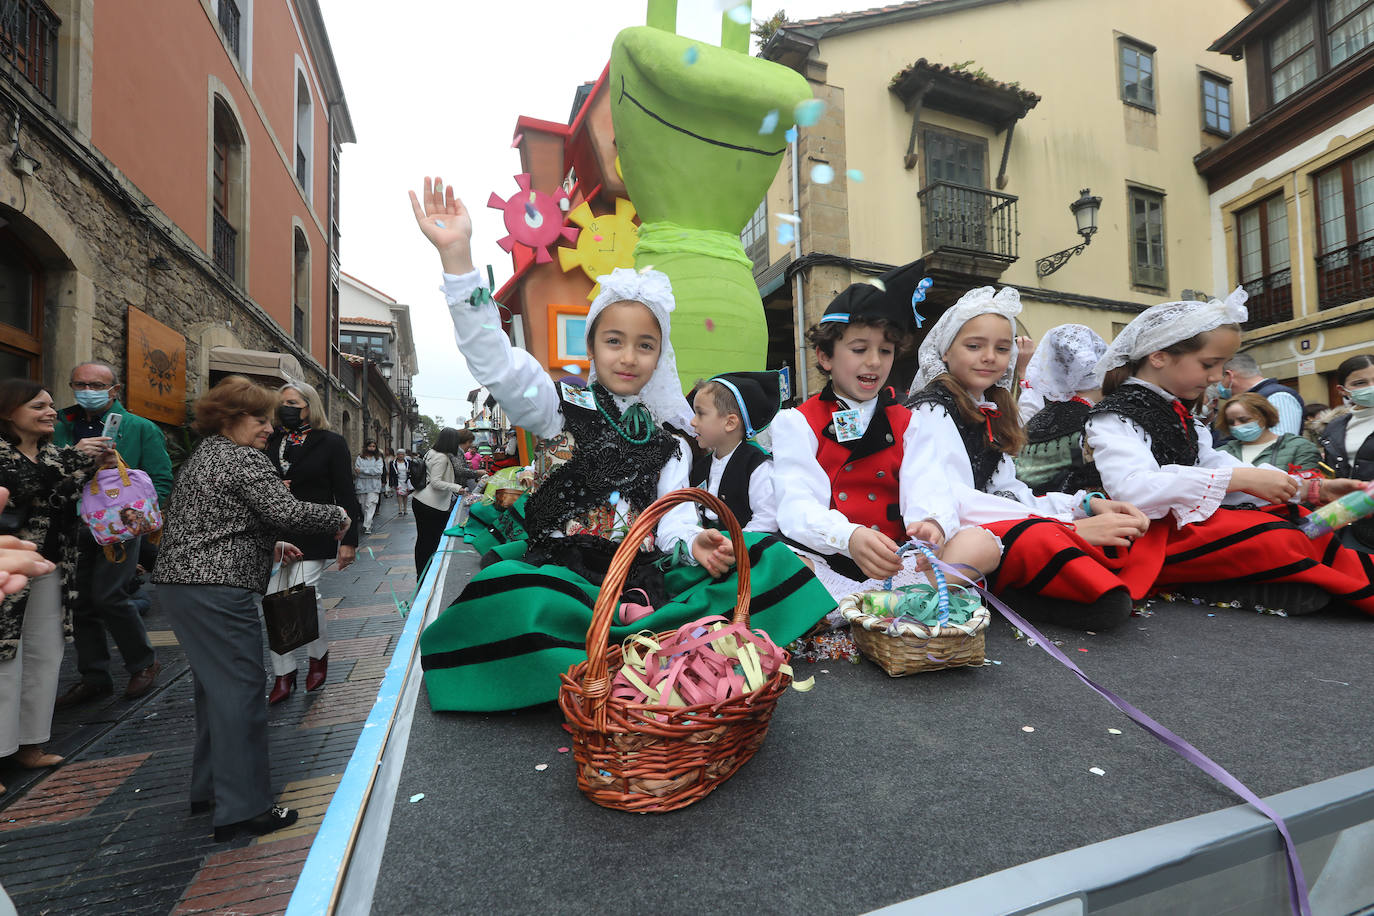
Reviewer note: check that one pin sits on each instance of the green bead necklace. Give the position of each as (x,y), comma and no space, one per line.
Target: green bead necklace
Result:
(637,419)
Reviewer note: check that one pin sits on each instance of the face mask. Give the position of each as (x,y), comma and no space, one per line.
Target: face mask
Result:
(1223,392)
(290,416)
(93,400)
(1247,432)
(1362,397)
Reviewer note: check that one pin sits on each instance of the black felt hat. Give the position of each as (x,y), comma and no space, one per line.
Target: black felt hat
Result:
(889,296)
(759,395)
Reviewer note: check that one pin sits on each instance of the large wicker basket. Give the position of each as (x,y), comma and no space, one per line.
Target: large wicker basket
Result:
(915,648)
(649,758)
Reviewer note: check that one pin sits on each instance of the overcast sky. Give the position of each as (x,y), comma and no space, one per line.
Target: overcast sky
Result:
(445,103)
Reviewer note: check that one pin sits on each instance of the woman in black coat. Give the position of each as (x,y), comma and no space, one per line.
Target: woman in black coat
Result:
(315,463)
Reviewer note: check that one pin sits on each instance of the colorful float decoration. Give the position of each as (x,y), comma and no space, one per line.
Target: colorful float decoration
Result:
(605,242)
(533,219)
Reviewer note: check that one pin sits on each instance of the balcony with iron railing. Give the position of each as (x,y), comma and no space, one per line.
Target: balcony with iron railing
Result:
(974,228)
(28,41)
(1271,299)
(225,245)
(1346,274)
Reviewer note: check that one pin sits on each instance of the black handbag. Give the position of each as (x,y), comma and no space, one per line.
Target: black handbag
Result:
(291,617)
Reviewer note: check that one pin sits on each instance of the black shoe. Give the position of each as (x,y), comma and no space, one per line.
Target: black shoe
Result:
(82,692)
(1295,599)
(203,807)
(1107,612)
(274,818)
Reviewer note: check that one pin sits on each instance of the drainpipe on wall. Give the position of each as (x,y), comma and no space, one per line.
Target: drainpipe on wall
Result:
(800,385)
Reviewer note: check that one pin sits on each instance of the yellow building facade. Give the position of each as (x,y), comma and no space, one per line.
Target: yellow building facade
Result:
(1110,96)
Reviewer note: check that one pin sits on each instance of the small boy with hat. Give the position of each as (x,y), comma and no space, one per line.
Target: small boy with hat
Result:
(848,492)
(728,410)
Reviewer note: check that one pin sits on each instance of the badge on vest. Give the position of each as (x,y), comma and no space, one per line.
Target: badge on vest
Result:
(582,397)
(848,425)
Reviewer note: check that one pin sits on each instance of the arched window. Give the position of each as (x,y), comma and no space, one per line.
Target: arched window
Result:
(300,289)
(228,193)
(21,310)
(305,132)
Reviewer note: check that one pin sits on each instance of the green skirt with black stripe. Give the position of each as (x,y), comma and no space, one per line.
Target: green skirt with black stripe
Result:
(516,627)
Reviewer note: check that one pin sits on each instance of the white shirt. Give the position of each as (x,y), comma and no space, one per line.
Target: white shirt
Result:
(762,504)
(1029,403)
(1131,474)
(804,494)
(1359,428)
(530,399)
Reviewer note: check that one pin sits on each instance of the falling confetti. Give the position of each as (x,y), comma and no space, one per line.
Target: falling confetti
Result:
(515,142)
(488,326)
(541,767)
(690,56)
(855,175)
(786,233)
(416,797)
(645,269)
(789,218)
(440,224)
(531,211)
(1028,728)
(770,122)
(710,325)
(1097,771)
(822,174)
(877,283)
(791,135)
(614,497)
(530,392)
(596,238)
(808,112)
(1113,731)
(572,370)
(739,15)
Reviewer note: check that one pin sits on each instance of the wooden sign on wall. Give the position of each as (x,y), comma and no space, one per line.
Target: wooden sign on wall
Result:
(156,386)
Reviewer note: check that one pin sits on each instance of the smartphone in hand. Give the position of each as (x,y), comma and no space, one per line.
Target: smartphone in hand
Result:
(111,428)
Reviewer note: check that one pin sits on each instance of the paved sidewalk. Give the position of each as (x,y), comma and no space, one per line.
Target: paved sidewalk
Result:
(110,832)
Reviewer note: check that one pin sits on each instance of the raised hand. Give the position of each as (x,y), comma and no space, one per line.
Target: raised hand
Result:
(446,223)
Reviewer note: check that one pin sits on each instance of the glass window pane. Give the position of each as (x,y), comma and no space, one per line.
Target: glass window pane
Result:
(1276,214)
(1331,208)
(1251,259)
(1292,76)
(14,365)
(1363,169)
(1353,35)
(16,291)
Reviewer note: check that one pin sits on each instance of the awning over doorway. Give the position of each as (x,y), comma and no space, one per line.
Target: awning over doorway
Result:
(256,363)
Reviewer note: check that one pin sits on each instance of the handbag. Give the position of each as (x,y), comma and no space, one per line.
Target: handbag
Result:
(291,617)
(119,505)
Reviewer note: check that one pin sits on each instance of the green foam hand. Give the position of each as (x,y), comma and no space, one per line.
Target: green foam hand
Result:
(687,120)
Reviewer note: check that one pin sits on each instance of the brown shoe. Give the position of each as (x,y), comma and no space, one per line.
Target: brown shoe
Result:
(31,757)
(319,670)
(81,692)
(282,688)
(140,682)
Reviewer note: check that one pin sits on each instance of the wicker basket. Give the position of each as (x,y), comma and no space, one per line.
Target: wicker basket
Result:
(650,758)
(915,648)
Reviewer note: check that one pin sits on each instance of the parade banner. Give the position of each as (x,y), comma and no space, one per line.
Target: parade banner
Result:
(156,383)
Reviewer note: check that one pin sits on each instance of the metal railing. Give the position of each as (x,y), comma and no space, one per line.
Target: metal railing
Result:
(229,24)
(28,40)
(225,245)
(1346,274)
(1271,299)
(969,219)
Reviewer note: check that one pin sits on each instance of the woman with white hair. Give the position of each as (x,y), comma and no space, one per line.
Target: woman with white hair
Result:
(315,463)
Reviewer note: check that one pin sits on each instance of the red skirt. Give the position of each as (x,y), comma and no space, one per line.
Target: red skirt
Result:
(1045,556)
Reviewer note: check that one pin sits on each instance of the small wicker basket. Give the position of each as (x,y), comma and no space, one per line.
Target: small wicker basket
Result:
(914,647)
(649,758)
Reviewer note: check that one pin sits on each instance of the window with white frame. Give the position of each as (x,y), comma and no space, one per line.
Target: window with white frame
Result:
(305,132)
(1137,74)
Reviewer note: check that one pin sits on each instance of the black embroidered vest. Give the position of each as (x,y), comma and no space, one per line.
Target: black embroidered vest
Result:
(602,463)
(734,482)
(1171,440)
(1058,419)
(982,455)
(1052,460)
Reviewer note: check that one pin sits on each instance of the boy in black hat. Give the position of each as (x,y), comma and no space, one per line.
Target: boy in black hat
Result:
(847,494)
(727,410)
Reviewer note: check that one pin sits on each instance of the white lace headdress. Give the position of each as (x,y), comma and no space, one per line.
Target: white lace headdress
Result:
(662,395)
(1166,324)
(981,301)
(1065,361)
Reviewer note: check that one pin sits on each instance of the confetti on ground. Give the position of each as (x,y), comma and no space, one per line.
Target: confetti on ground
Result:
(416,797)
(541,767)
(562,750)
(822,174)
(1113,731)
(1028,728)
(825,671)
(572,370)
(855,175)
(1211,615)
(791,135)
(808,112)
(710,325)
(690,56)
(1097,771)
(770,122)
(739,15)
(1082,650)
(371,554)
(786,234)
(530,392)
(1090,632)
(994,662)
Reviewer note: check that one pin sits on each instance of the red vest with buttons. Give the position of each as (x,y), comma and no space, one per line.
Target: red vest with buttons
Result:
(865,473)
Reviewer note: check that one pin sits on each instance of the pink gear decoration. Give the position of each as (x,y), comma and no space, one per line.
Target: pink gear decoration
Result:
(534,219)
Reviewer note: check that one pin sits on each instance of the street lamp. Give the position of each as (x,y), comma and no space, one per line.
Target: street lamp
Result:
(1084,212)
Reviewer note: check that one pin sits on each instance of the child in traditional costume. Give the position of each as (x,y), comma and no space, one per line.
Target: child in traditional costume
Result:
(522,620)
(962,401)
(1063,371)
(849,487)
(1150,449)
(728,411)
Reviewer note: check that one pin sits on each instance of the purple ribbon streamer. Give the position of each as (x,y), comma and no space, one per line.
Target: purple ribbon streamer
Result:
(1297,882)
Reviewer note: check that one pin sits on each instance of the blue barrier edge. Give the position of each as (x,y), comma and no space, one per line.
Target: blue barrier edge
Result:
(324,866)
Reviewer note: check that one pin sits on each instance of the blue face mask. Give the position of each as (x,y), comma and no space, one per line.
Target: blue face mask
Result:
(1247,432)
(1223,392)
(1362,397)
(93,400)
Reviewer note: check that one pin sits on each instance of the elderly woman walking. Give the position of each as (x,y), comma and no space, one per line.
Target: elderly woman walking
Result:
(227,511)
